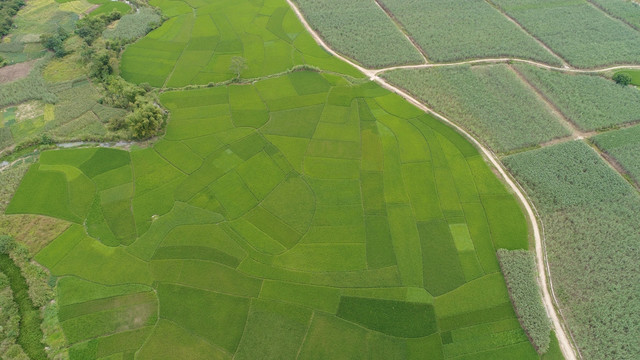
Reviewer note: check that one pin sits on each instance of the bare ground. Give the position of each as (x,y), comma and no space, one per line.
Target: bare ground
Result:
(15,72)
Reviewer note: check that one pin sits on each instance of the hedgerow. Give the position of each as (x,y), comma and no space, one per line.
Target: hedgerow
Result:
(30,335)
(518,268)
(592,235)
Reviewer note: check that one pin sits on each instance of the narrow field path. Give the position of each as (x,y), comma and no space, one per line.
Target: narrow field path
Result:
(508,60)
(403,30)
(565,344)
(516,23)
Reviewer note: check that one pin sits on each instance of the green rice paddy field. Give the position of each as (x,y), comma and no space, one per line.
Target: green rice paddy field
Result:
(304,215)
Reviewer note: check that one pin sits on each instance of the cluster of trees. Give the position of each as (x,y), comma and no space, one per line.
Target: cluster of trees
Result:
(8,9)
(55,42)
(145,119)
(90,28)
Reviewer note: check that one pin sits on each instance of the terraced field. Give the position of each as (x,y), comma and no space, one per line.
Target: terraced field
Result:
(300,215)
(293,212)
(200,40)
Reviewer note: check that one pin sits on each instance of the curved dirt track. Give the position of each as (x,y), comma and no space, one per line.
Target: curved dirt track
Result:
(565,344)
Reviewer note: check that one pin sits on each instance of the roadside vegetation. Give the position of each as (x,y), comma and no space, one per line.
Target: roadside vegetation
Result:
(475,97)
(589,213)
(379,41)
(518,268)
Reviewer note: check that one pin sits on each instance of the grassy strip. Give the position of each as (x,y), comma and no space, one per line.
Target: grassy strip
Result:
(519,272)
(30,333)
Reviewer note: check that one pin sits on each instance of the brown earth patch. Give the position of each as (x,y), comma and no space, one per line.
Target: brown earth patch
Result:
(15,72)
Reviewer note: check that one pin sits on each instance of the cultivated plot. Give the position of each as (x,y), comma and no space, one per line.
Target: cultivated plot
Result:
(591,102)
(492,102)
(478,31)
(300,215)
(362,31)
(590,214)
(578,31)
(201,40)
(623,146)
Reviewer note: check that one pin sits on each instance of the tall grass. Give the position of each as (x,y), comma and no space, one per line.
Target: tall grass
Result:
(518,267)
(457,30)
(490,101)
(592,233)
(360,30)
(577,31)
(30,336)
(592,102)
(133,26)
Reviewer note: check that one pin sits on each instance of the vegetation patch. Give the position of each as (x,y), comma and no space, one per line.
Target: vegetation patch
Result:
(362,31)
(588,212)
(591,102)
(518,268)
(565,28)
(480,31)
(30,335)
(475,97)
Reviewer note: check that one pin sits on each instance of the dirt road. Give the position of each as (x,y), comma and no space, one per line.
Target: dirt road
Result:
(565,344)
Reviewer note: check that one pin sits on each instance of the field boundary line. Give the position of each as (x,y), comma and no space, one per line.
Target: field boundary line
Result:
(611,16)
(565,345)
(576,132)
(521,27)
(506,60)
(403,30)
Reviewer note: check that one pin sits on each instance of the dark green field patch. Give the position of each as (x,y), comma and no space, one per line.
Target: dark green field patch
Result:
(397,318)
(103,160)
(195,253)
(216,318)
(308,82)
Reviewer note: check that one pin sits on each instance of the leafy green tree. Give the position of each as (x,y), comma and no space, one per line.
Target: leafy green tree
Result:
(101,67)
(622,79)
(6,244)
(146,120)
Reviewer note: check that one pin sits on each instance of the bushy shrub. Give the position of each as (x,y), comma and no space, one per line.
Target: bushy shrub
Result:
(146,120)
(622,79)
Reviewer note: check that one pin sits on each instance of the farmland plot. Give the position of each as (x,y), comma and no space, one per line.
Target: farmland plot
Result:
(577,31)
(300,215)
(627,11)
(592,102)
(200,40)
(479,31)
(360,30)
(623,145)
(490,101)
(590,215)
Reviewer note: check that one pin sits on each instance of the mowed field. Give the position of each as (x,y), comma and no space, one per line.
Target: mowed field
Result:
(200,39)
(301,216)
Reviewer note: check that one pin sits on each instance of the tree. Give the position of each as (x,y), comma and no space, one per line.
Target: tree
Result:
(145,121)
(238,64)
(622,79)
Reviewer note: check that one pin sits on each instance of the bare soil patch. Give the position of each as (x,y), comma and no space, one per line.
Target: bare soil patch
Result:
(15,72)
